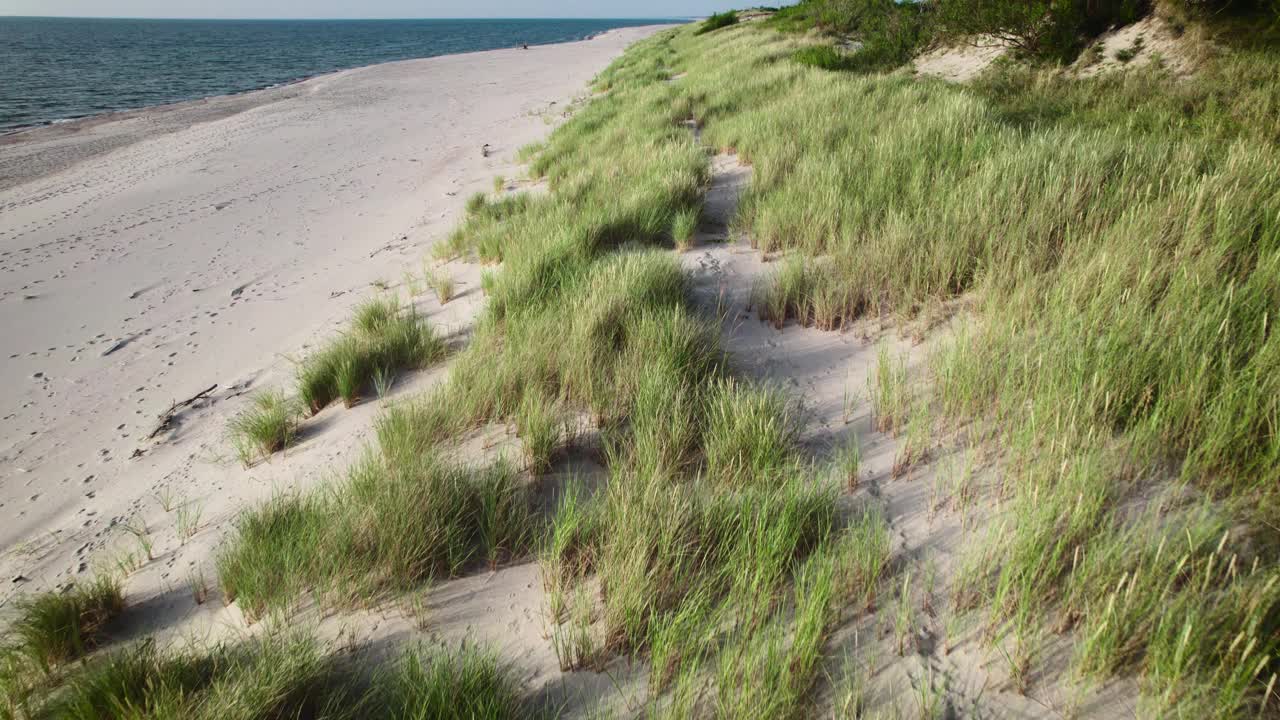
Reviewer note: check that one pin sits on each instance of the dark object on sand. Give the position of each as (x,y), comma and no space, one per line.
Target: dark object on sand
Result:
(524,45)
(484,150)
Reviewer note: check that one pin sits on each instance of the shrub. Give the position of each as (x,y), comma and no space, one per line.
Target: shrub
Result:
(717,21)
(1050,29)
(889,33)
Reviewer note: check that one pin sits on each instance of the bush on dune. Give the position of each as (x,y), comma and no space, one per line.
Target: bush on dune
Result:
(717,21)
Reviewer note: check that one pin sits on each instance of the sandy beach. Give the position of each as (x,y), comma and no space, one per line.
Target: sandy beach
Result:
(153,255)
(815,366)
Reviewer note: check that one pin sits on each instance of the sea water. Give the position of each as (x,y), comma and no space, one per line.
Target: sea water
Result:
(54,69)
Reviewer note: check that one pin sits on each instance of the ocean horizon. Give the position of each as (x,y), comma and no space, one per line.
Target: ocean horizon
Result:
(60,69)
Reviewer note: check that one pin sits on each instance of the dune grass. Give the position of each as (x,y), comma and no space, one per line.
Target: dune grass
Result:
(395,522)
(383,337)
(269,425)
(274,676)
(50,631)
(711,529)
(683,227)
(55,628)
(464,684)
(1119,239)
(443,285)
(825,57)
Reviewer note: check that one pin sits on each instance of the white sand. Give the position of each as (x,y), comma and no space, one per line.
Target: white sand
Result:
(149,255)
(1149,40)
(960,63)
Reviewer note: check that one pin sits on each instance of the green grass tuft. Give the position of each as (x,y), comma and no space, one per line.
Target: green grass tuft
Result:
(268,426)
(55,628)
(540,428)
(395,522)
(464,684)
(750,433)
(684,227)
(383,338)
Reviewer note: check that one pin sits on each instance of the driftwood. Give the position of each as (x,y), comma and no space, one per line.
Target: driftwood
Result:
(119,345)
(166,418)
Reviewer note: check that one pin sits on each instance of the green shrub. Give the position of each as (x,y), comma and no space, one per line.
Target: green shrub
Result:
(717,21)
(889,33)
(1050,29)
(825,57)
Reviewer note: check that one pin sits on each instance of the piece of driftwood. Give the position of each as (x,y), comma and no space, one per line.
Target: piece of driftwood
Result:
(166,418)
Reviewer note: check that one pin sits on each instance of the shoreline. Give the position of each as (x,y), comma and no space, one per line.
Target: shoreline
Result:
(6,134)
(212,107)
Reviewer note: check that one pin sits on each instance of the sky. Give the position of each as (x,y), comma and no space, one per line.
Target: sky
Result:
(366,8)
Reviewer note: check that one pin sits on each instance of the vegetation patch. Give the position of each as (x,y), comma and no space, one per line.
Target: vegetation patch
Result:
(710,533)
(1117,239)
(268,426)
(464,684)
(276,676)
(394,523)
(1105,369)
(825,57)
(55,628)
(717,21)
(383,336)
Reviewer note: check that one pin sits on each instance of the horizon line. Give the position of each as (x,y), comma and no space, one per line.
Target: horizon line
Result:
(324,19)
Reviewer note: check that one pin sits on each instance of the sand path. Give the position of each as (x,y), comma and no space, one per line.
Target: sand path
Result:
(150,255)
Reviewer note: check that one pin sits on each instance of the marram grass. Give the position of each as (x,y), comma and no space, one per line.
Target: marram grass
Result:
(268,425)
(1118,240)
(1118,258)
(383,337)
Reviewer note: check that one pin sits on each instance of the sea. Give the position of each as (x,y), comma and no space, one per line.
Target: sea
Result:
(55,69)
